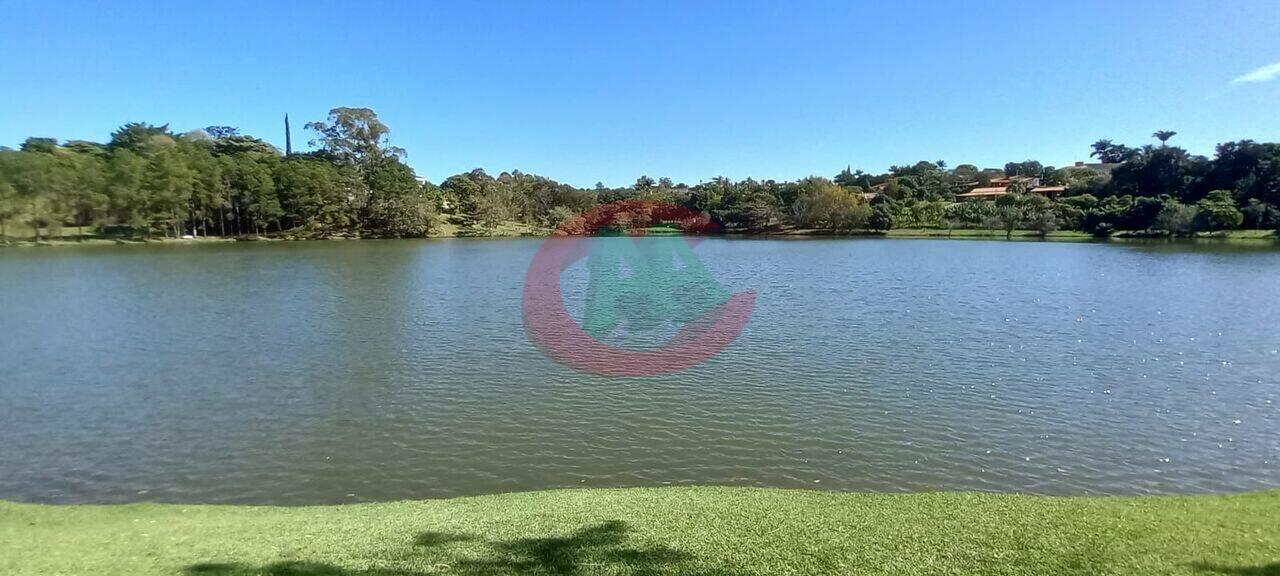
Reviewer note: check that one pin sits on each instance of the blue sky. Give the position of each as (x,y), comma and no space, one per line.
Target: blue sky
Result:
(604,91)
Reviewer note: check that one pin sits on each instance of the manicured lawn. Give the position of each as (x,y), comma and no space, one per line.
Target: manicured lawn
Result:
(690,531)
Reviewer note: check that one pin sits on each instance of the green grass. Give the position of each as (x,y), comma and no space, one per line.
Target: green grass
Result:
(445,228)
(985,233)
(1254,237)
(658,531)
(956,233)
(1240,234)
(449,227)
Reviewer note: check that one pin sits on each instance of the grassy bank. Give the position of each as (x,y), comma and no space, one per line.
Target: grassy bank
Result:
(1219,235)
(663,531)
(1061,235)
(446,229)
(25,237)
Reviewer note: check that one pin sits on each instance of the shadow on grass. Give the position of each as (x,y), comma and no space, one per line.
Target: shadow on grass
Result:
(592,549)
(291,568)
(429,539)
(1272,569)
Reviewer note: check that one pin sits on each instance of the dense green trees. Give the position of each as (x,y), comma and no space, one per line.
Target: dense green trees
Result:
(1218,211)
(148,181)
(1160,189)
(823,204)
(1108,152)
(313,194)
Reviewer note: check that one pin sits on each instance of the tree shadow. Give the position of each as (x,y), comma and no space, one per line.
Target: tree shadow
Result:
(290,568)
(598,548)
(1272,569)
(592,549)
(429,539)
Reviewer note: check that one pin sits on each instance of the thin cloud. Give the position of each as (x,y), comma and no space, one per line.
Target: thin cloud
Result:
(1261,74)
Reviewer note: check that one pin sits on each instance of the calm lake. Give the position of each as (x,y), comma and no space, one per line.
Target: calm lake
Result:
(325,372)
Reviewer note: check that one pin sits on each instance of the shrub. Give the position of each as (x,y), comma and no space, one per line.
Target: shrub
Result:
(1175,218)
(1218,211)
(1260,215)
(825,205)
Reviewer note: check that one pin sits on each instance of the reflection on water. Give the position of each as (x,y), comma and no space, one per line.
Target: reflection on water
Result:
(334,372)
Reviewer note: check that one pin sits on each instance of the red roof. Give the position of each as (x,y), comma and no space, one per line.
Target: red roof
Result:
(985,192)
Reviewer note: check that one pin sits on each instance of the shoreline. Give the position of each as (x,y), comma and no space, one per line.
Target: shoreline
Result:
(1245,236)
(658,531)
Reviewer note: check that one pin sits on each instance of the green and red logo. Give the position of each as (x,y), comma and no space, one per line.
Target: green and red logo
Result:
(639,280)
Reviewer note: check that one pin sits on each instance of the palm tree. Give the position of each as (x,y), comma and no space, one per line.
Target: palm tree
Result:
(1163,136)
(1100,149)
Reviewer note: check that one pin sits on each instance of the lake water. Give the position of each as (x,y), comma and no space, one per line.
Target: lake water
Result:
(330,372)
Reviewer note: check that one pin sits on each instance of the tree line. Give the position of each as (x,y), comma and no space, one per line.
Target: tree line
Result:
(149,181)
(1156,189)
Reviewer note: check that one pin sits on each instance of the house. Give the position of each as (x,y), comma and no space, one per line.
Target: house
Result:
(997,187)
(988,193)
(1050,192)
(875,192)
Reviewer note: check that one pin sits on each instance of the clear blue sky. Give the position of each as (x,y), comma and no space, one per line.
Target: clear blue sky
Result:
(588,91)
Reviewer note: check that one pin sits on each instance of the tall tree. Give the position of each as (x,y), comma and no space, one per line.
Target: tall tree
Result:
(311,194)
(254,203)
(355,135)
(208,199)
(288,137)
(1163,136)
(396,205)
(87,201)
(42,186)
(8,203)
(33,144)
(219,132)
(847,177)
(1160,170)
(465,190)
(127,200)
(1031,168)
(168,182)
(139,135)
(1108,152)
